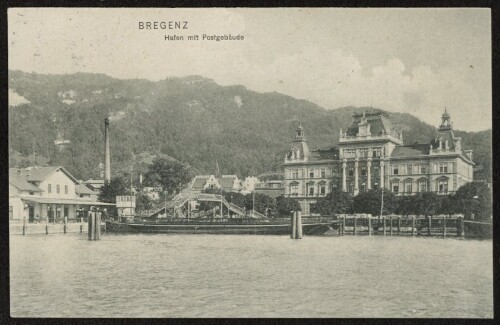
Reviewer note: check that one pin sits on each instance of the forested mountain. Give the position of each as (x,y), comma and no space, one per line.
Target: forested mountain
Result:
(191,119)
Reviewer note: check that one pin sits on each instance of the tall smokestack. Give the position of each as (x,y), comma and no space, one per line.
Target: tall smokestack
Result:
(107,158)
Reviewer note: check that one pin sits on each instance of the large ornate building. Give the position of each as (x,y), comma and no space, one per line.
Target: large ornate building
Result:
(371,154)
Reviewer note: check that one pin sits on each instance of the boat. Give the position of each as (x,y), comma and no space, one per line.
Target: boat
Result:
(224,226)
(180,219)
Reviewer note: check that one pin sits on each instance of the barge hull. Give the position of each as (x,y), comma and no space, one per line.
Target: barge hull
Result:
(281,229)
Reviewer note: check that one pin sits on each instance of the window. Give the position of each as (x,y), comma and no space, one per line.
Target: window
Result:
(295,173)
(422,186)
(423,169)
(375,170)
(395,170)
(311,174)
(323,173)
(363,187)
(58,189)
(410,169)
(363,171)
(443,168)
(310,189)
(65,189)
(294,189)
(443,186)
(363,152)
(322,189)
(351,188)
(408,187)
(351,171)
(377,152)
(49,188)
(395,187)
(349,153)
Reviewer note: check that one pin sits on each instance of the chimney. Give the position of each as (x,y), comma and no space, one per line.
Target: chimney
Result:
(107,158)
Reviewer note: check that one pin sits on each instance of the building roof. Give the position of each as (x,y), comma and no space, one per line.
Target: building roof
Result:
(324,154)
(38,174)
(379,124)
(65,201)
(199,183)
(410,150)
(83,189)
(271,192)
(21,183)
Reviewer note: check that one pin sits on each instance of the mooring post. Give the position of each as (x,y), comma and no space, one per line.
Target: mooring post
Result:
(24,226)
(294,225)
(91,221)
(390,226)
(65,224)
(369,225)
(97,225)
(81,225)
(444,226)
(429,225)
(354,226)
(413,225)
(383,224)
(462,227)
(299,225)
(399,225)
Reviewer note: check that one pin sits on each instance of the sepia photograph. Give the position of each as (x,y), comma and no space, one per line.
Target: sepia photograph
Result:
(250,162)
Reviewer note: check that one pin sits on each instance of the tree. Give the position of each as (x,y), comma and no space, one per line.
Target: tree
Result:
(285,206)
(167,173)
(475,198)
(371,202)
(406,205)
(427,203)
(110,190)
(143,202)
(334,203)
(447,205)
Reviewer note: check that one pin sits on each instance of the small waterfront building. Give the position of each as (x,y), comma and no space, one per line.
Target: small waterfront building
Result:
(48,192)
(370,154)
(228,183)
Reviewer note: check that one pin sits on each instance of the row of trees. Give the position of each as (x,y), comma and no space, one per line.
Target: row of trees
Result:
(470,199)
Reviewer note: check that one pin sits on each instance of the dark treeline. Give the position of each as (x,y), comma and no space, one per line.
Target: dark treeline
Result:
(192,120)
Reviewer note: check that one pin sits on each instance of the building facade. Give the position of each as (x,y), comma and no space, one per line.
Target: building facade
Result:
(370,154)
(48,192)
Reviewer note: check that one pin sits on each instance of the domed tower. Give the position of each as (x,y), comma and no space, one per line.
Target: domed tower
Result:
(299,149)
(446,123)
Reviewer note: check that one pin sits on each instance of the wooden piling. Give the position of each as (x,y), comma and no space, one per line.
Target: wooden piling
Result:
(91,221)
(462,227)
(81,225)
(429,225)
(293,233)
(444,226)
(97,226)
(24,226)
(383,224)
(390,226)
(369,225)
(399,225)
(65,224)
(413,225)
(299,225)
(354,226)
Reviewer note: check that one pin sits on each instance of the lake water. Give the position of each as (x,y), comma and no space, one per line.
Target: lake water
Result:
(249,276)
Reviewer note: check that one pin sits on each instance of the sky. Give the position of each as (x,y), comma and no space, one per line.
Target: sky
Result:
(417,61)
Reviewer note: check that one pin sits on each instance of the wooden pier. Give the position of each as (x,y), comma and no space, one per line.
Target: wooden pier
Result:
(394,225)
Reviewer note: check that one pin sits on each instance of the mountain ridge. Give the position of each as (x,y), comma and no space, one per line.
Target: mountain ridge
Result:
(192,119)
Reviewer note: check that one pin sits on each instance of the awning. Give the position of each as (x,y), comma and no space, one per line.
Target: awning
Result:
(65,201)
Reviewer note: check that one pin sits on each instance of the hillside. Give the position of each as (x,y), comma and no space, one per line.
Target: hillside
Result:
(192,119)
